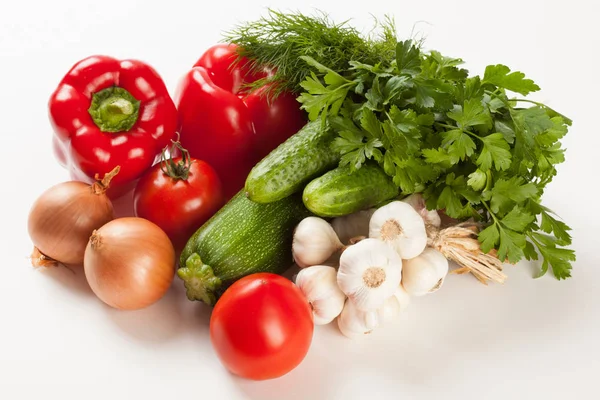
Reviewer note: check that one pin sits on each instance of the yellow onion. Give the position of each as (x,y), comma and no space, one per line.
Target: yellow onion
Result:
(129,263)
(62,219)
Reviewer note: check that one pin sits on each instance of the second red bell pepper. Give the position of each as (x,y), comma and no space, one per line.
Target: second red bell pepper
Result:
(216,127)
(226,127)
(107,112)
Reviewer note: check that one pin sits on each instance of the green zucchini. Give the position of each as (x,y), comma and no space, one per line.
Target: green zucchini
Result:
(293,164)
(343,191)
(242,238)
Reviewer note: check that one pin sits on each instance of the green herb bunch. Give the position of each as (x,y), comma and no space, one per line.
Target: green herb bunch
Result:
(472,148)
(469,146)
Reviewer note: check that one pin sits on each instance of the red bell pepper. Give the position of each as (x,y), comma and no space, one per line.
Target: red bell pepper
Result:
(107,112)
(226,127)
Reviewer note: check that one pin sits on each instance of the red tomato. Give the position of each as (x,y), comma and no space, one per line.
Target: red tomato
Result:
(178,206)
(262,327)
(274,121)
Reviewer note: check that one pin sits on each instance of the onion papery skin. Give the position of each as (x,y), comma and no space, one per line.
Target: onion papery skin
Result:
(129,263)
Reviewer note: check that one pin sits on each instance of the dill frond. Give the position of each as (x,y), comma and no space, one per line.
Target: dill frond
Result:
(279,39)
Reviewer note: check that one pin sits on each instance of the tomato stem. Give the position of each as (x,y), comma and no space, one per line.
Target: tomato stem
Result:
(176,170)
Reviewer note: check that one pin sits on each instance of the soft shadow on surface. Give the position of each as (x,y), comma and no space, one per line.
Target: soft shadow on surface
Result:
(165,320)
(477,322)
(72,278)
(309,380)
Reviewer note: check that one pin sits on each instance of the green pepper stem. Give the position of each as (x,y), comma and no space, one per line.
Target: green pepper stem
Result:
(199,280)
(114,109)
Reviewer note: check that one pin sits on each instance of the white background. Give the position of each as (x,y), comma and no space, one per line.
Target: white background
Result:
(526,339)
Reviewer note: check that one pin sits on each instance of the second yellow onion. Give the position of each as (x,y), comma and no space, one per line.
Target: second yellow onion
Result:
(129,263)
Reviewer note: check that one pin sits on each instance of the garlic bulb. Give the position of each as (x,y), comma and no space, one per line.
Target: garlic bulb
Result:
(319,285)
(352,225)
(431,217)
(314,242)
(400,226)
(369,273)
(403,297)
(354,323)
(425,273)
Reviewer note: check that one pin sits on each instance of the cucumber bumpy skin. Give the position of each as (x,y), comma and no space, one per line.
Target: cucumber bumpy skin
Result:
(343,191)
(297,161)
(243,238)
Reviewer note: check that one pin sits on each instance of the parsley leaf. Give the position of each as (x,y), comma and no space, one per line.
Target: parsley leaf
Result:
(496,152)
(499,75)
(511,245)
(408,58)
(559,259)
(459,144)
(489,238)
(471,113)
(517,219)
(477,180)
(506,193)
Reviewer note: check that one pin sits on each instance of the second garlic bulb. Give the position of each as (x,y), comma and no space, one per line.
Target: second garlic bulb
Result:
(369,273)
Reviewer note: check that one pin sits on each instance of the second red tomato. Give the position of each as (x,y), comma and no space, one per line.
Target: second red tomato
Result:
(179,205)
(261,327)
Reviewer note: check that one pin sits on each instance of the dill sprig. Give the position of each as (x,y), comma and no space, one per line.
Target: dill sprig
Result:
(279,39)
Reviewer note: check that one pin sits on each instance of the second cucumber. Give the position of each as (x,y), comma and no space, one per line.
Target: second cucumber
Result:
(294,163)
(343,191)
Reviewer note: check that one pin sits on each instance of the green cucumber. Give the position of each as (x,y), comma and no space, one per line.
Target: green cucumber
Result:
(293,164)
(343,191)
(242,238)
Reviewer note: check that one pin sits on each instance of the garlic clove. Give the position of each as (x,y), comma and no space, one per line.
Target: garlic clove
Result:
(350,323)
(354,323)
(319,285)
(431,217)
(369,273)
(424,274)
(390,310)
(353,225)
(400,226)
(314,242)
(403,297)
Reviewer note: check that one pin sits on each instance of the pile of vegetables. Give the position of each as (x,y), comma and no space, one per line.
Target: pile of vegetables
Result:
(367,163)
(470,147)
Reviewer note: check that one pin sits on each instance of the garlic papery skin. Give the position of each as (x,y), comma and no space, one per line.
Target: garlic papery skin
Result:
(319,285)
(370,272)
(431,217)
(403,297)
(400,226)
(354,323)
(353,226)
(314,242)
(425,273)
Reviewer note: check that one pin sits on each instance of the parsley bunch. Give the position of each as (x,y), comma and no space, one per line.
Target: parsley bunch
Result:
(471,147)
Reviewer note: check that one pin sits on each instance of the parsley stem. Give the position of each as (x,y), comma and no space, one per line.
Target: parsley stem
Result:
(490,212)
(462,130)
(529,101)
(447,126)
(471,134)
